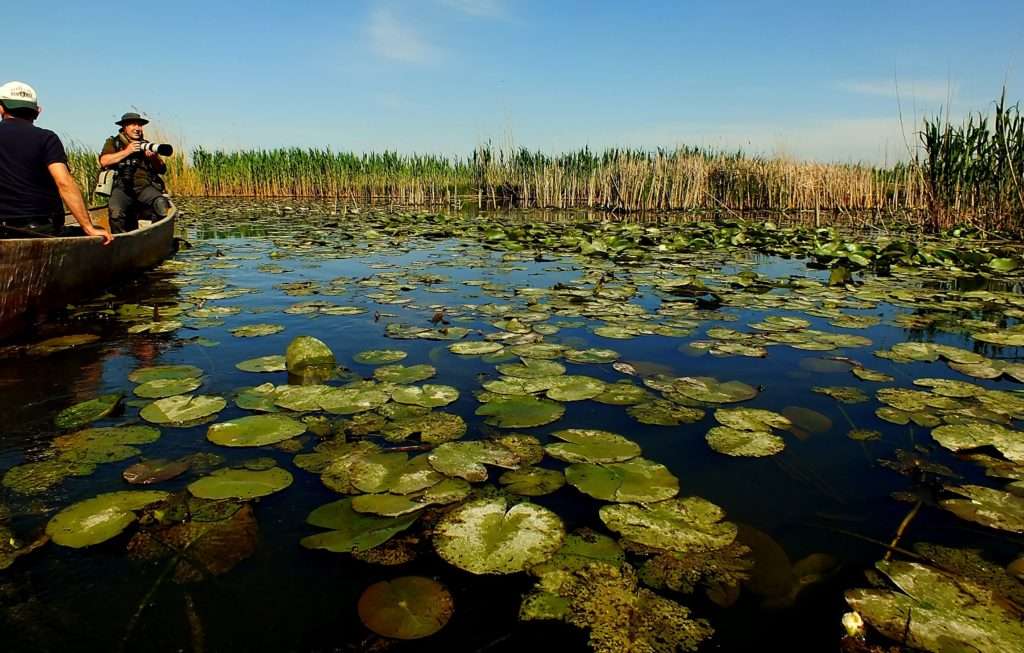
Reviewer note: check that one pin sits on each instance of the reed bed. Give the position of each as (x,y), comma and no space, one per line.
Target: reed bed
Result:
(970,173)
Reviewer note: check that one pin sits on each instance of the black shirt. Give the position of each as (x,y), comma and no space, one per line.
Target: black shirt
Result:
(27,189)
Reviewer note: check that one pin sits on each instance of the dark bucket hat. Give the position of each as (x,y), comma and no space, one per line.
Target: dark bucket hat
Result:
(131,117)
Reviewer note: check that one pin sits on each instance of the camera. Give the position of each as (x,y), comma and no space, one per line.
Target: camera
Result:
(163,149)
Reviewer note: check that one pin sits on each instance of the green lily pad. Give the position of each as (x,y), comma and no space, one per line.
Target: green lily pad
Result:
(447,491)
(160,388)
(379,356)
(520,412)
(87,411)
(1002,338)
(256,330)
(300,398)
(260,398)
(349,401)
(690,524)
(433,428)
(842,394)
(583,548)
(306,352)
(468,459)
(575,388)
(104,445)
(709,390)
(970,435)
(939,612)
(664,413)
(477,348)
(488,537)
(240,483)
(532,368)
(393,472)
(428,395)
(274,363)
(950,387)
(98,519)
(255,431)
(636,480)
(61,343)
(987,506)
(592,446)
(532,481)
(596,355)
(865,374)
(623,393)
(410,607)
(40,476)
(752,444)
(351,531)
(404,375)
(538,350)
(182,409)
(751,419)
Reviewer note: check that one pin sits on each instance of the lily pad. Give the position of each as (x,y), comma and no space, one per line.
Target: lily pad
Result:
(87,411)
(274,363)
(433,428)
(240,483)
(468,459)
(410,607)
(987,506)
(751,419)
(182,409)
(404,375)
(807,420)
(98,519)
(682,525)
(592,446)
(939,612)
(575,388)
(393,472)
(352,531)
(664,413)
(380,356)
(751,444)
(970,435)
(349,401)
(532,368)
(160,388)
(532,481)
(488,537)
(428,395)
(477,348)
(710,390)
(636,480)
(157,470)
(255,431)
(520,412)
(256,330)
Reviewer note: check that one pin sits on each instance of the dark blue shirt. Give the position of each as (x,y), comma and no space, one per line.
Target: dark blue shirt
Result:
(27,189)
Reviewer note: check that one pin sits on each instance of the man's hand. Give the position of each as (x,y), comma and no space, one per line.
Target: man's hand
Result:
(99,231)
(132,147)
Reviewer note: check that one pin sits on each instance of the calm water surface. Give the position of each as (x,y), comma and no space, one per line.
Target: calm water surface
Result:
(825,493)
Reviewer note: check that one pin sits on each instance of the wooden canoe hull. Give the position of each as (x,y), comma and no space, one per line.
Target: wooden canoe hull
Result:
(40,274)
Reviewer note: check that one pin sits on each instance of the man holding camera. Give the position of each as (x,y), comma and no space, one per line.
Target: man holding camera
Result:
(138,166)
(34,175)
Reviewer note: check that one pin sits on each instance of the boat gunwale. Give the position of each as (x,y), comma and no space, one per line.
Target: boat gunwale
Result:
(128,234)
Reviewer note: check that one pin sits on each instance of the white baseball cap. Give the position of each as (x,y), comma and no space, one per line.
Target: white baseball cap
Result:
(19,95)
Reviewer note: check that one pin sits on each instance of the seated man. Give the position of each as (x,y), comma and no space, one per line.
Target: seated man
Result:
(34,175)
(137,182)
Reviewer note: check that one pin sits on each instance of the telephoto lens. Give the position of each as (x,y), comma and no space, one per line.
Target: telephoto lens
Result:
(163,149)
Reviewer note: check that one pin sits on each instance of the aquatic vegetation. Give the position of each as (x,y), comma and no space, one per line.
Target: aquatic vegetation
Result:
(409,607)
(240,483)
(98,519)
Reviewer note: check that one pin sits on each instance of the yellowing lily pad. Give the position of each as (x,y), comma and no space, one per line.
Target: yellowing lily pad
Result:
(488,537)
(683,525)
(160,388)
(274,363)
(410,607)
(520,412)
(752,444)
(87,411)
(428,395)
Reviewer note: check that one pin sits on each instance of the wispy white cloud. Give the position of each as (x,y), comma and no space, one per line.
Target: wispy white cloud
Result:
(927,90)
(479,8)
(393,39)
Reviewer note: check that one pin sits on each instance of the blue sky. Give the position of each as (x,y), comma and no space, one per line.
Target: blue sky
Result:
(807,79)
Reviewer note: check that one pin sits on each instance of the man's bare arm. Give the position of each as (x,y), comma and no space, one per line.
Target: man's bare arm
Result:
(113,158)
(72,197)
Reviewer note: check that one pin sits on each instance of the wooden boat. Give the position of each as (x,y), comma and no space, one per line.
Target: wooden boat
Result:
(40,274)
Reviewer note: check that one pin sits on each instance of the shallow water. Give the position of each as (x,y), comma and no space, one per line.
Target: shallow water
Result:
(825,493)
